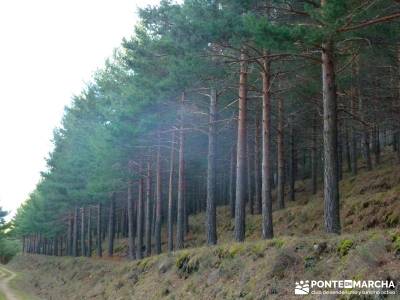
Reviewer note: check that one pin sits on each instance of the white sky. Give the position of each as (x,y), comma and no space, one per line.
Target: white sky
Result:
(48,50)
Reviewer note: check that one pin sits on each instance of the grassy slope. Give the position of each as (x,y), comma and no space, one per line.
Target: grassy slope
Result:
(368,249)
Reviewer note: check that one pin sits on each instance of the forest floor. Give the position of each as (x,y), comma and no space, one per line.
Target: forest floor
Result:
(5,277)
(368,249)
(8,290)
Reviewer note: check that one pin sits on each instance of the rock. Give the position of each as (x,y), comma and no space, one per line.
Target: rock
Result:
(213,277)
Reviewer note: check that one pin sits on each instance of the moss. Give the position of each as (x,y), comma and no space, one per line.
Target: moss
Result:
(344,247)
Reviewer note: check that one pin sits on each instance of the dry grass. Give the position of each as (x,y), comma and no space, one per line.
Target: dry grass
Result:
(368,249)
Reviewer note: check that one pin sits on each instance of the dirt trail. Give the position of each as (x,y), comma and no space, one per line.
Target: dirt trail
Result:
(5,276)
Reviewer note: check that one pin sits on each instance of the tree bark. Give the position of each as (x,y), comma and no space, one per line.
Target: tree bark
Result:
(111,226)
(347,147)
(257,177)
(340,151)
(55,246)
(292,163)
(70,234)
(157,235)
(83,234)
(131,220)
(75,234)
(180,216)
(232,183)
(365,132)
(250,199)
(171,196)
(331,184)
(353,129)
(267,226)
(211,223)
(377,145)
(281,156)
(123,221)
(139,219)
(314,159)
(240,212)
(148,211)
(99,233)
(89,232)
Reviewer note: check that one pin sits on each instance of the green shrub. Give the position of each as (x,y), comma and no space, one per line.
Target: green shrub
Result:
(8,249)
(344,247)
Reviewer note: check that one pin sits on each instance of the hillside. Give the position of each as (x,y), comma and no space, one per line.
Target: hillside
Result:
(369,249)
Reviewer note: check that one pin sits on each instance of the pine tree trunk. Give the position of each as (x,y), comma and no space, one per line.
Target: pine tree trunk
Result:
(89,232)
(117,225)
(185,205)
(69,234)
(232,183)
(257,177)
(123,221)
(171,196)
(157,235)
(111,226)
(314,159)
(353,101)
(131,228)
(340,152)
(377,145)
(211,227)
(250,199)
(55,246)
(267,226)
(99,233)
(365,132)
(75,234)
(153,213)
(281,157)
(148,211)
(139,220)
(180,216)
(292,162)
(61,245)
(347,146)
(240,212)
(83,235)
(331,184)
